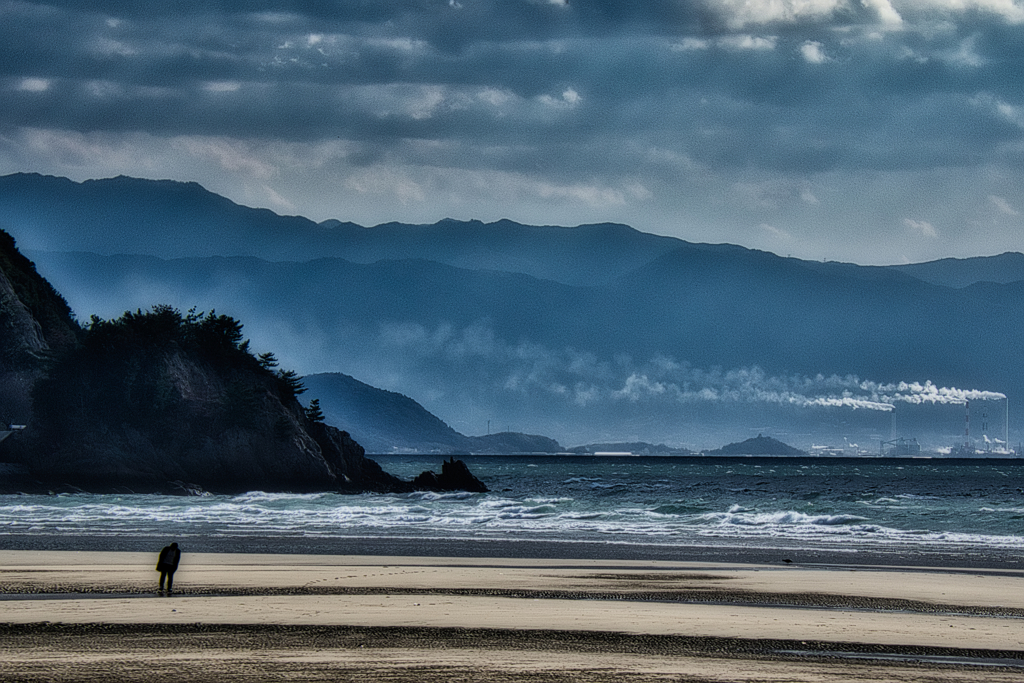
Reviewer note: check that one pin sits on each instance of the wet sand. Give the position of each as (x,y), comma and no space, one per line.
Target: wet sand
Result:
(95,615)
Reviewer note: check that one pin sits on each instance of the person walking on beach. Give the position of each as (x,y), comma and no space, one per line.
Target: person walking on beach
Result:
(166,564)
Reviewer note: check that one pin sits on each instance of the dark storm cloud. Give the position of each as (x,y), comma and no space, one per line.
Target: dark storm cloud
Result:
(665,95)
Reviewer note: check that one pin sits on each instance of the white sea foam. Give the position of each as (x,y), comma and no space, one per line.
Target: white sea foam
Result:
(655,501)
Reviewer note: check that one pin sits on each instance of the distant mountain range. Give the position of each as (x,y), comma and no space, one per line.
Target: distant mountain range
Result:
(597,333)
(1002,269)
(388,422)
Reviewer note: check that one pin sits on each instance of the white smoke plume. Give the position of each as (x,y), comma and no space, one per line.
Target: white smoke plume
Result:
(752,385)
(583,378)
(915,392)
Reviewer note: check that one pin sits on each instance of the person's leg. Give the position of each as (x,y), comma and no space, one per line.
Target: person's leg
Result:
(170,580)
(163,577)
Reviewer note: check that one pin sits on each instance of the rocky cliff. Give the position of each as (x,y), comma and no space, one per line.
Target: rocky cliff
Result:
(157,401)
(35,323)
(156,397)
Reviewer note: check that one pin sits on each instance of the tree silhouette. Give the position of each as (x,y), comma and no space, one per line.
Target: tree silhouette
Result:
(313,412)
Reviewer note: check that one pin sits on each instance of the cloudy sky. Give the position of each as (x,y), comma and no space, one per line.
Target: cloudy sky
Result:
(873,131)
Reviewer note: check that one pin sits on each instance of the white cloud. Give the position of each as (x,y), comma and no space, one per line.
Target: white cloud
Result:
(691,44)
(813,52)
(593,195)
(387,182)
(424,104)
(889,13)
(230,155)
(99,152)
(924,228)
(407,45)
(748,42)
(222,86)
(34,84)
(276,199)
(496,97)
(773,194)
(739,13)
(1010,10)
(1000,108)
(108,47)
(739,41)
(1003,205)
(776,233)
(639,386)
(103,89)
(569,98)
(885,11)
(966,54)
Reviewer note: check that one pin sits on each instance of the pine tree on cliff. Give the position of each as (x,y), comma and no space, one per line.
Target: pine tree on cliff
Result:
(156,396)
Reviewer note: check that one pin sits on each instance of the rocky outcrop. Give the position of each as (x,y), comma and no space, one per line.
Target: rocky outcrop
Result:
(159,397)
(160,402)
(455,476)
(35,322)
(353,471)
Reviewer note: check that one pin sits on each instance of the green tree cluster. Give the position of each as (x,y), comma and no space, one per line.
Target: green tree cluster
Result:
(123,372)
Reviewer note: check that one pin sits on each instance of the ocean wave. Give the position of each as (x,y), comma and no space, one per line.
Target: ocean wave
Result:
(781,518)
(582,516)
(261,496)
(684,503)
(442,495)
(678,509)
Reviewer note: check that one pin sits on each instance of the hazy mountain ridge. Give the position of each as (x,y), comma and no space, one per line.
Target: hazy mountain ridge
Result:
(674,339)
(388,422)
(184,220)
(958,273)
(382,421)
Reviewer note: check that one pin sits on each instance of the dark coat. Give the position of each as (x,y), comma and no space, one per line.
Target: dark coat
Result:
(169,558)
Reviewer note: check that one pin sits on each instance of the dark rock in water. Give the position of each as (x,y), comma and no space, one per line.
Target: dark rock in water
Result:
(760,445)
(455,476)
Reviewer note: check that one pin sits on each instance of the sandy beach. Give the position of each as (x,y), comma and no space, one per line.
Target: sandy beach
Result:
(83,616)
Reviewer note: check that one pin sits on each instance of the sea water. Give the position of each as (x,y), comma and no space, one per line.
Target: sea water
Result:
(835,505)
